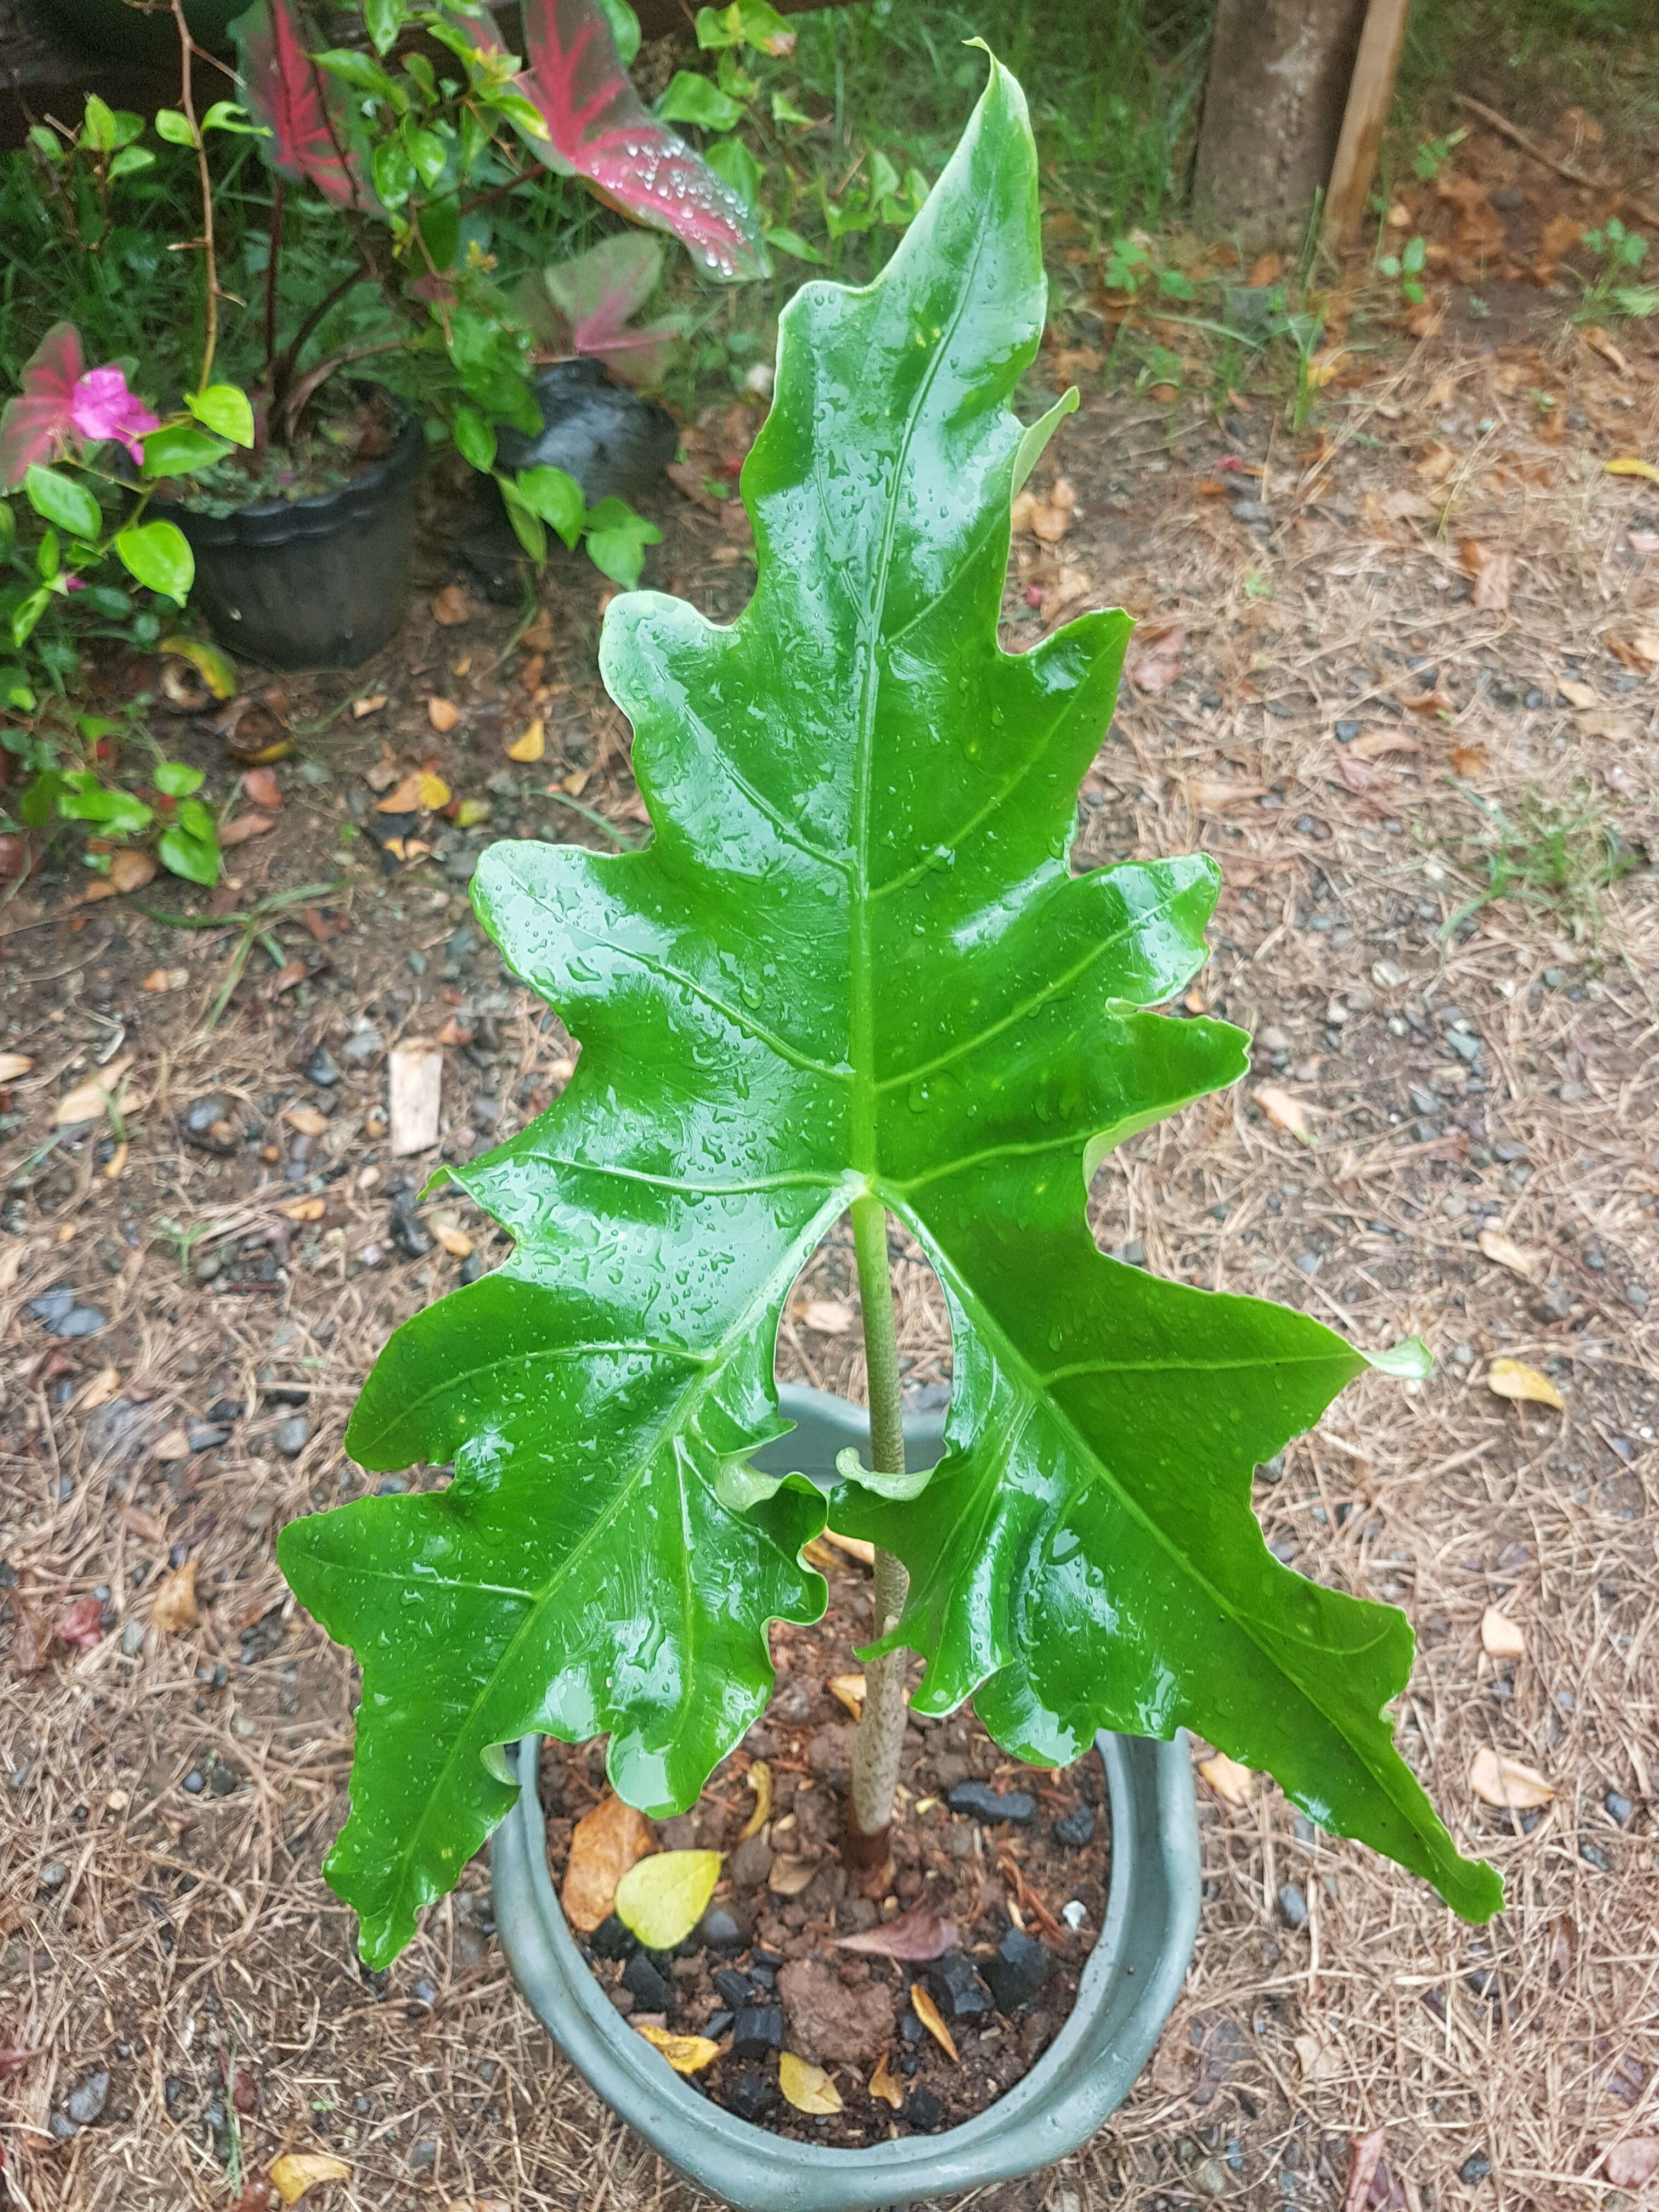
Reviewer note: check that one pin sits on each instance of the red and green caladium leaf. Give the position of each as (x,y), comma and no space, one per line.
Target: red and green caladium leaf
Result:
(582,306)
(313,136)
(853,963)
(36,424)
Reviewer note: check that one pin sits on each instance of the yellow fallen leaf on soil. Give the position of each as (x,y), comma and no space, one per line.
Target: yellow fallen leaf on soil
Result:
(885,2084)
(13,1064)
(173,1606)
(686,2054)
(760,1781)
(442,714)
(434,792)
(472,811)
(297,2171)
(848,1690)
(661,1899)
(1500,1637)
(928,2013)
(1496,1780)
(130,871)
(89,1100)
(1626,466)
(307,1121)
(215,669)
(1228,1778)
(1284,1111)
(808,2088)
(604,1844)
(1507,1254)
(1510,1378)
(1318,2062)
(856,1547)
(304,1209)
(531,746)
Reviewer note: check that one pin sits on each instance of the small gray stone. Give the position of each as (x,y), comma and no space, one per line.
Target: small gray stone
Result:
(1075,1828)
(203,1113)
(981,1802)
(1017,1970)
(1465,1044)
(422,2154)
(725,1928)
(89,2100)
(1293,1905)
(1619,1807)
(54,1876)
(1477,2166)
(1210,2178)
(751,1863)
(364,1042)
(293,1436)
(132,1639)
(322,1068)
(206,1435)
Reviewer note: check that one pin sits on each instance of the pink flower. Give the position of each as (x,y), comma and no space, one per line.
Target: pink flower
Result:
(100,406)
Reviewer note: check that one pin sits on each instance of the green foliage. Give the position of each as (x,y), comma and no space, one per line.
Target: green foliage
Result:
(1609,291)
(1406,268)
(1557,859)
(854,964)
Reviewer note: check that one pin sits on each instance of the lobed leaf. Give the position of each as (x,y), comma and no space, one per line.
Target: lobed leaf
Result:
(853,962)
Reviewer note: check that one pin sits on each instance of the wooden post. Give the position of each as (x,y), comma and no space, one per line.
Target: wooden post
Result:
(1370,97)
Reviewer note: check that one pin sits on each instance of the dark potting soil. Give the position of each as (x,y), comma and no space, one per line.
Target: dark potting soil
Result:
(342,432)
(1000,1848)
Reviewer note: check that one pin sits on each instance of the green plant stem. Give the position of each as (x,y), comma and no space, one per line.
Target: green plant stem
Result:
(881,1725)
(187,102)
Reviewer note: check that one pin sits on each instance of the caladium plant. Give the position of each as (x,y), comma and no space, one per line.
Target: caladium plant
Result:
(854,970)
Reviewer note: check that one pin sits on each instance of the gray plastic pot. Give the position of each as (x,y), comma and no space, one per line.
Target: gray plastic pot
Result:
(1133,1977)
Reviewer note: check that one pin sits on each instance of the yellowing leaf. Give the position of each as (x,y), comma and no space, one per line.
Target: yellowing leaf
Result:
(1507,1254)
(442,714)
(885,2084)
(661,1899)
(928,2013)
(848,1690)
(1500,1637)
(434,792)
(604,1844)
(472,811)
(297,2171)
(1510,1378)
(89,1100)
(686,2054)
(173,1607)
(1284,1111)
(214,669)
(1496,1780)
(760,1781)
(404,798)
(808,2088)
(1626,466)
(531,746)
(1228,1778)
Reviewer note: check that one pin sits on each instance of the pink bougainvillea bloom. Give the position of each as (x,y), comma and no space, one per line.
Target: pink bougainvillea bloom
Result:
(36,424)
(100,406)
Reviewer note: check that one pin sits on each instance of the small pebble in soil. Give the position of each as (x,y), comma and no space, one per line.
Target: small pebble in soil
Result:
(724,1928)
(981,1802)
(322,1068)
(293,1436)
(206,1435)
(650,1988)
(54,1876)
(911,2028)
(955,1987)
(193,1782)
(923,2110)
(757,2032)
(750,2096)
(174,2095)
(1017,1970)
(1210,2178)
(407,1233)
(422,2154)
(1293,1905)
(1619,1807)
(1075,1828)
(89,2101)
(623,1999)
(1074,1912)
(1593,1854)
(751,1863)
(1475,2167)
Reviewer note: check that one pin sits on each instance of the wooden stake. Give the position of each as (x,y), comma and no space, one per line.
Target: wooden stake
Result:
(1370,94)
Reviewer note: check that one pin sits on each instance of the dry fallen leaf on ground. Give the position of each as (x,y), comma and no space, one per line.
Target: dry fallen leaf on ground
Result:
(928,2013)
(1364,2155)
(1228,1778)
(1496,1780)
(604,1844)
(173,1607)
(1318,2062)
(442,714)
(531,744)
(807,2088)
(298,2171)
(1640,651)
(89,1100)
(306,1120)
(1493,571)
(31,1635)
(760,1781)
(13,1064)
(848,1690)
(1628,465)
(916,1934)
(885,2084)
(1284,1111)
(686,2054)
(1574,693)
(1507,1253)
(1511,1378)
(130,871)
(1500,1638)
(1212,794)
(827,1315)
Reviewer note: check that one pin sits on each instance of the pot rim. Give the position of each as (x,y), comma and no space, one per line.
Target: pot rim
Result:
(400,465)
(1129,1985)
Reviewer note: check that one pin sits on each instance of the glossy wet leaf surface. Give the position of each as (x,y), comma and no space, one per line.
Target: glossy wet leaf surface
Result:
(853,959)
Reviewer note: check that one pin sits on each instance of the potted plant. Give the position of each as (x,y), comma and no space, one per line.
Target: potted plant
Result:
(851,973)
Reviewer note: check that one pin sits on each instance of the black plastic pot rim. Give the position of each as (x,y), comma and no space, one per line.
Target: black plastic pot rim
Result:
(315,514)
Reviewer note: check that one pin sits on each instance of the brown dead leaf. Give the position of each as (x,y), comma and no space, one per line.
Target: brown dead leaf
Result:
(1160,664)
(928,2013)
(404,797)
(31,1635)
(916,1934)
(451,606)
(1469,760)
(1631,2164)
(261,788)
(1364,2154)
(1072,363)
(82,1626)
(1493,570)
(1496,1780)
(1266,269)
(604,1844)
(1428,702)
(1574,693)
(1437,464)
(1598,341)
(1228,1778)
(1358,775)
(442,714)
(1214,794)
(828,1316)
(1284,1110)
(1318,2062)
(131,870)
(1507,1254)
(455,1033)
(297,2171)
(1375,743)
(174,1609)
(885,2084)
(13,1064)
(1500,1637)
(1639,652)
(89,1100)
(1512,1378)
(807,2088)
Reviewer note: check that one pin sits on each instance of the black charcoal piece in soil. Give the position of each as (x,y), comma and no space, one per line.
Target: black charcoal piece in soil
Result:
(731,1988)
(954,1986)
(652,1990)
(1017,1970)
(757,2032)
(407,1233)
(1075,1828)
(923,2110)
(981,1802)
(750,2096)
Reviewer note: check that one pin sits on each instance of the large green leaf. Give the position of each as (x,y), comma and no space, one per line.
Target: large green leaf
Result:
(853,962)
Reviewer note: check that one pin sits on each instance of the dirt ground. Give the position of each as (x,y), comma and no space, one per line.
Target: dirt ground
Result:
(1331,693)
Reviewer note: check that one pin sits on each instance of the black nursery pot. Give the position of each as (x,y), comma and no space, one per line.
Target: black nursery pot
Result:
(615,442)
(311,583)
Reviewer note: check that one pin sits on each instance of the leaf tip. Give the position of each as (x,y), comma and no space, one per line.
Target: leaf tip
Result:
(1410,1360)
